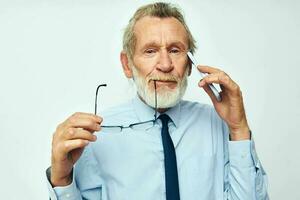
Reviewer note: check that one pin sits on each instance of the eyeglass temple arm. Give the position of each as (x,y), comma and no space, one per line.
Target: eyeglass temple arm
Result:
(97,96)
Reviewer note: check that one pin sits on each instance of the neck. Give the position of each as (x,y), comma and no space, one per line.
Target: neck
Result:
(160,110)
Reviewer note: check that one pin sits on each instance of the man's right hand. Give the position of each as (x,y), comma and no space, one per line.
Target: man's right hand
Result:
(68,143)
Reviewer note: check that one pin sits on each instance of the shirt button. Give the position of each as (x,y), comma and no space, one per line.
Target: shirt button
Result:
(68,195)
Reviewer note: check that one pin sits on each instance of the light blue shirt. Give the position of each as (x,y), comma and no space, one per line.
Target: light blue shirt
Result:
(130,165)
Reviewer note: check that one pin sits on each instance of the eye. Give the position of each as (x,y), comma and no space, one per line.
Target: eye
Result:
(150,51)
(174,50)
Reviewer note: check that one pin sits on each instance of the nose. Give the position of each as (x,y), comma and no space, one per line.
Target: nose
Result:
(165,64)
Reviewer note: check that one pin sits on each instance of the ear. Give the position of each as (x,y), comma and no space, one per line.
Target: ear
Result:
(125,64)
(189,68)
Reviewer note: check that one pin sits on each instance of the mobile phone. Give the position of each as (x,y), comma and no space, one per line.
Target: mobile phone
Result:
(211,86)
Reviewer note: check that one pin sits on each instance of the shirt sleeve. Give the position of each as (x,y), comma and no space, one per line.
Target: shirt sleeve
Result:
(244,176)
(69,192)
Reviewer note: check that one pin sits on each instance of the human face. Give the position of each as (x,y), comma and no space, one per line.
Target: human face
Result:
(160,55)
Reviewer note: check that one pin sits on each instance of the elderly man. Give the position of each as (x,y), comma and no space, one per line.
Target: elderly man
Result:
(158,146)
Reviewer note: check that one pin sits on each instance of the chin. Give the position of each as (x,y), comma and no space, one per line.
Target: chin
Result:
(166,97)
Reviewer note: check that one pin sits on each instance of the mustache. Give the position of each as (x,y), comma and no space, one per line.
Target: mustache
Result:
(163,78)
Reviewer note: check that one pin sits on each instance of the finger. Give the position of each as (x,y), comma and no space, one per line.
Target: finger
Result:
(79,133)
(83,122)
(223,79)
(82,115)
(69,145)
(78,115)
(89,115)
(207,69)
(211,78)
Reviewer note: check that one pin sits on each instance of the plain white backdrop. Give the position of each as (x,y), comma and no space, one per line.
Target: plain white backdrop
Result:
(54,53)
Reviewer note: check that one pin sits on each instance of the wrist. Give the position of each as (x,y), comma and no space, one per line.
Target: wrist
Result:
(241,133)
(61,182)
(57,181)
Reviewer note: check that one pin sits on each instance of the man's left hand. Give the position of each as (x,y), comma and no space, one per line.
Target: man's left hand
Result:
(231,107)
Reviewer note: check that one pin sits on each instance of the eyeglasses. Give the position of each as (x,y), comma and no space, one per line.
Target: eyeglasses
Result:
(141,126)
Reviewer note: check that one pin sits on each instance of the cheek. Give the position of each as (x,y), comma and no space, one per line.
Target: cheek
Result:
(145,66)
(181,67)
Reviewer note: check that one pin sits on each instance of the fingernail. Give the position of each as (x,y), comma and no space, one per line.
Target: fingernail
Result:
(94,137)
(201,83)
(98,127)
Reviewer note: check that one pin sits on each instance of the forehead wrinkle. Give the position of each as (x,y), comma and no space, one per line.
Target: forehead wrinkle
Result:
(161,33)
(173,34)
(165,39)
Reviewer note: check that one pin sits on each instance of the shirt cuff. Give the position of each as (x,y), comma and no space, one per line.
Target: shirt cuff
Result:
(69,192)
(240,153)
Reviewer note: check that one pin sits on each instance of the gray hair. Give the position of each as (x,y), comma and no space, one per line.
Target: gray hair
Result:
(161,10)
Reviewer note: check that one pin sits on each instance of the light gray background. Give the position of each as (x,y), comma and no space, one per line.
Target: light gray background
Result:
(54,53)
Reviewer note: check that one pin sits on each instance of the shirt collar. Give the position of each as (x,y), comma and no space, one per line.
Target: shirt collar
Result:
(145,112)
(174,113)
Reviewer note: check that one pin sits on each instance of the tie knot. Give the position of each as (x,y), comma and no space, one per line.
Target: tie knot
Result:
(164,119)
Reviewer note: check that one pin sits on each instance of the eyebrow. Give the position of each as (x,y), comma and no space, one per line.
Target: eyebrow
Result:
(155,44)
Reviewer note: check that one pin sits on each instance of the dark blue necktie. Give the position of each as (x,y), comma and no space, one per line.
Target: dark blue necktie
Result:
(171,175)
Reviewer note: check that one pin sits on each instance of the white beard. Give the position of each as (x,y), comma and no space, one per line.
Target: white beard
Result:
(166,97)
